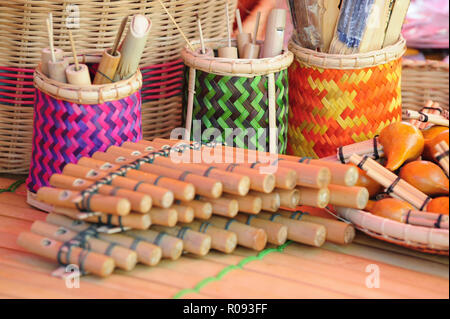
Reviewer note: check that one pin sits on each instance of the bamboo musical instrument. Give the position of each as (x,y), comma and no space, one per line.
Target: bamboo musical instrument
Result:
(227,207)
(171,247)
(194,242)
(269,202)
(426,118)
(353,197)
(221,240)
(94,263)
(274,39)
(229,51)
(247,236)
(124,258)
(299,231)
(315,197)
(70,199)
(289,198)
(242,38)
(110,59)
(337,232)
(370,148)
(251,49)
(164,216)
(133,46)
(185,213)
(276,232)
(77,74)
(140,202)
(247,204)
(442,156)
(202,210)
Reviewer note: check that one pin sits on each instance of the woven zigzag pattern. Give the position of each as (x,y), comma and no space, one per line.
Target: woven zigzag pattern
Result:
(330,108)
(63,132)
(227,102)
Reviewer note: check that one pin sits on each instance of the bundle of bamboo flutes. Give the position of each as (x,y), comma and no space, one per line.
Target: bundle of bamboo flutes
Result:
(162,207)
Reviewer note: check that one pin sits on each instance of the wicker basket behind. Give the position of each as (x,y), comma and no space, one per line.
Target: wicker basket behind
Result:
(23,35)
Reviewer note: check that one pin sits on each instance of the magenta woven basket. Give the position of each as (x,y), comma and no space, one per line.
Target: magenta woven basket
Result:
(65,130)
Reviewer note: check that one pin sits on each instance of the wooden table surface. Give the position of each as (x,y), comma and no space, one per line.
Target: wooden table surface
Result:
(295,271)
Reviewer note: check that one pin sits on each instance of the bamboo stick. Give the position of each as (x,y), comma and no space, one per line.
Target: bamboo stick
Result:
(202,210)
(124,258)
(353,197)
(94,263)
(227,207)
(276,232)
(193,241)
(171,247)
(270,202)
(229,51)
(221,240)
(164,216)
(70,199)
(247,204)
(313,197)
(289,198)
(299,231)
(337,232)
(248,236)
(140,202)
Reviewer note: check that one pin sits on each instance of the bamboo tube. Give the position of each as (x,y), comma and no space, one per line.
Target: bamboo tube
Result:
(161,197)
(185,213)
(309,175)
(227,207)
(148,254)
(247,204)
(221,240)
(274,39)
(248,236)
(314,197)
(171,247)
(46,56)
(242,38)
(427,118)
(228,52)
(289,198)
(270,202)
(57,70)
(202,210)
(285,178)
(429,108)
(110,59)
(140,202)
(353,197)
(251,50)
(133,46)
(370,148)
(276,232)
(94,263)
(124,258)
(193,242)
(77,74)
(337,232)
(164,216)
(97,203)
(299,231)
(53,63)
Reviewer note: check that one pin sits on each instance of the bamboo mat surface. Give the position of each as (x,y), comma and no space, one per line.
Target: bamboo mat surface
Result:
(289,271)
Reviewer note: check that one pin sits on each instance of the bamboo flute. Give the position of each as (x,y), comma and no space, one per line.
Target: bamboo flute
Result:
(171,247)
(164,216)
(299,231)
(140,202)
(221,240)
(204,186)
(194,242)
(202,210)
(337,232)
(94,263)
(182,190)
(353,197)
(276,232)
(269,202)
(229,51)
(313,197)
(70,199)
(247,236)
(147,253)
(110,59)
(161,197)
(227,207)
(247,204)
(242,38)
(442,156)
(124,258)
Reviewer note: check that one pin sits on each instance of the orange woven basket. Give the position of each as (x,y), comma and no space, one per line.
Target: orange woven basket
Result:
(337,100)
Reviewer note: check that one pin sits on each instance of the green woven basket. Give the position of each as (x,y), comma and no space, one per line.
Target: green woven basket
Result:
(233,96)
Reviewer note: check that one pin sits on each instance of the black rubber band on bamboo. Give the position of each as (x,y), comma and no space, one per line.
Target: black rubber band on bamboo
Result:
(203,227)
(363,161)
(135,188)
(443,155)
(227,225)
(249,219)
(109,249)
(298,215)
(305,160)
(375,148)
(341,154)
(438,221)
(254,164)
(157,180)
(231,167)
(81,259)
(274,216)
(135,242)
(184,175)
(390,189)
(433,109)
(114,191)
(182,232)
(158,238)
(425,203)
(425,116)
(208,171)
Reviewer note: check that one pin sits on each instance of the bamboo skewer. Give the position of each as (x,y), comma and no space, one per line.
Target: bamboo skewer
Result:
(124,258)
(276,232)
(221,240)
(193,241)
(247,236)
(97,264)
(171,247)
(229,51)
(55,66)
(200,32)
(242,38)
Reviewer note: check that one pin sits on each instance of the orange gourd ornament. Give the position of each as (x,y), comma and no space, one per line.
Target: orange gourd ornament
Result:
(391,208)
(401,142)
(426,177)
(429,150)
(439,205)
(432,132)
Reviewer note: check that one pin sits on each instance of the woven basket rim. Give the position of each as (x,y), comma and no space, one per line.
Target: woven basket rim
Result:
(234,67)
(350,61)
(90,94)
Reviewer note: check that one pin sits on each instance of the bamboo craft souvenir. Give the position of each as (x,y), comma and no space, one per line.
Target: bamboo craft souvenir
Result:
(242,38)
(431,108)
(251,50)
(171,247)
(371,148)
(276,232)
(425,118)
(77,74)
(442,156)
(53,62)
